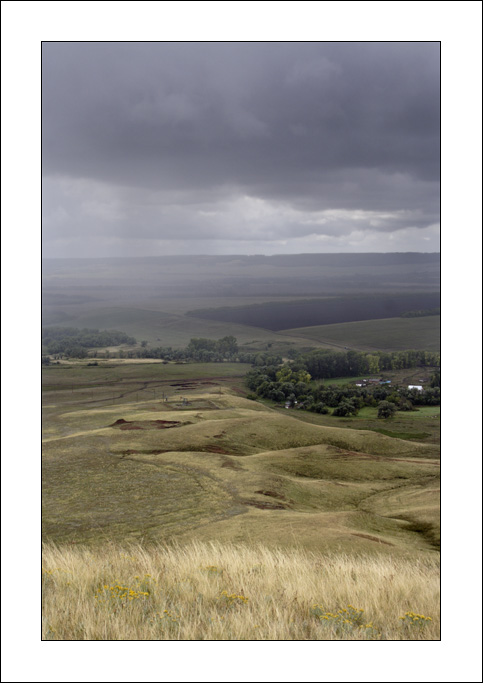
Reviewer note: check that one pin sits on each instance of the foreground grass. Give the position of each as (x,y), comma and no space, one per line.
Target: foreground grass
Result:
(222,592)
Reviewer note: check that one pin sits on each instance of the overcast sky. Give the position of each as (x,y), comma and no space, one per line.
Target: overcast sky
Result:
(239,148)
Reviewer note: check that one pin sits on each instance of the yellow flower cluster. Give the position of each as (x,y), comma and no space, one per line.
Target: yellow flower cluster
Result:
(350,615)
(412,619)
(345,619)
(232,598)
(124,594)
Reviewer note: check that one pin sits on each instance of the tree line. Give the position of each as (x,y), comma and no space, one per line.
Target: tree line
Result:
(74,342)
(422,313)
(325,364)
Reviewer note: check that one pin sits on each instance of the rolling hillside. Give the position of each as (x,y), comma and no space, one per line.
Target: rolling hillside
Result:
(209,465)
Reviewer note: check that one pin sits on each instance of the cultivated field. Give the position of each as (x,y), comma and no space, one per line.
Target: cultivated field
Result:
(281,315)
(391,334)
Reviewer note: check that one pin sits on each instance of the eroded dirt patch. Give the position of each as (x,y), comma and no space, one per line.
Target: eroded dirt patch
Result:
(131,451)
(272,494)
(265,506)
(192,385)
(231,464)
(215,449)
(145,424)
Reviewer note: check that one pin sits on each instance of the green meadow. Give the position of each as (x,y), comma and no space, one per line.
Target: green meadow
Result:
(390,334)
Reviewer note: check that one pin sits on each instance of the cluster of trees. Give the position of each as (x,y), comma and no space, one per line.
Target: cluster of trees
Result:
(204,351)
(199,349)
(324,363)
(293,385)
(74,342)
(422,313)
(278,383)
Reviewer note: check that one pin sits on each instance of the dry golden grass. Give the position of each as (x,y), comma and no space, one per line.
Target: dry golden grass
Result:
(222,592)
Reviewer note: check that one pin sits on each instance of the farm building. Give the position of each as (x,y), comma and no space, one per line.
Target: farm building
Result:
(415,386)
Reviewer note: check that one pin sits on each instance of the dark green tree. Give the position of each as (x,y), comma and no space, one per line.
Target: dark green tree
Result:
(345,409)
(385,409)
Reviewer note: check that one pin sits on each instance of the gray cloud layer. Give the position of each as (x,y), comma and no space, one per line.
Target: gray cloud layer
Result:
(240,147)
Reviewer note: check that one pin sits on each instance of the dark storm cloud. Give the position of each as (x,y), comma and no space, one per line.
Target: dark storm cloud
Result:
(230,141)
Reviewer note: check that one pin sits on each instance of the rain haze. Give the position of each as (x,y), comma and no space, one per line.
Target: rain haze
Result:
(157,148)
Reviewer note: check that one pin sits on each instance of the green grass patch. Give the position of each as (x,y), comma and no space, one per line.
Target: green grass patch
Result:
(415,436)
(79,374)
(341,381)
(411,425)
(390,334)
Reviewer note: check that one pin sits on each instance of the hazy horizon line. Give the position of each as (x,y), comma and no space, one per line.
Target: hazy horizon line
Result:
(301,253)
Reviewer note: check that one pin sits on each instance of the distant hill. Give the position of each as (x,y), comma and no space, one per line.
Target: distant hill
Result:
(281,260)
(277,315)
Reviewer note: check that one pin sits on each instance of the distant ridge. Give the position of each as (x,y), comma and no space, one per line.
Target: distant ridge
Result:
(285,260)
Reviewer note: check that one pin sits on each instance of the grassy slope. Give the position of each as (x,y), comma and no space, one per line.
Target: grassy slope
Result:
(231,469)
(422,424)
(168,329)
(390,334)
(161,324)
